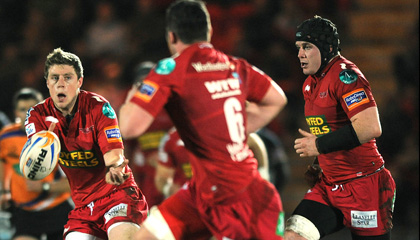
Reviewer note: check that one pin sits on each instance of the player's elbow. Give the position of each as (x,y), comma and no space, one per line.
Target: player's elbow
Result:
(376,131)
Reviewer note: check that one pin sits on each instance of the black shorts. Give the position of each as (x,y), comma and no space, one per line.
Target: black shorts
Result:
(50,222)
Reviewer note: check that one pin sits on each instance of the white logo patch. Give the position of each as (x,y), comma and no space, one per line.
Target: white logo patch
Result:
(364,219)
(223,88)
(30,129)
(210,67)
(118,211)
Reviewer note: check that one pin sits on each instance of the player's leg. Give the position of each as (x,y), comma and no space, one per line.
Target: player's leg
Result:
(176,218)
(313,220)
(123,213)
(80,236)
(122,230)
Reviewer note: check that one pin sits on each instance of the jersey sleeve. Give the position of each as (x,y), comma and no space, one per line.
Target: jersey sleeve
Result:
(152,94)
(258,83)
(354,92)
(34,122)
(108,130)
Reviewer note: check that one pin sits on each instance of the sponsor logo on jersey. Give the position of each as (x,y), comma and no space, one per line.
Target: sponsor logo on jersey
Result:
(78,159)
(113,134)
(117,211)
(28,114)
(86,130)
(355,98)
(147,90)
(223,88)
(30,129)
(165,66)
(210,67)
(108,111)
(318,125)
(364,219)
(348,76)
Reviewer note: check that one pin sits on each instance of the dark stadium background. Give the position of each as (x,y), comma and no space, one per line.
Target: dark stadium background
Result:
(112,37)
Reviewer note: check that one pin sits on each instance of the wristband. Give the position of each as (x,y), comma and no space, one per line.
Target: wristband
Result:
(344,138)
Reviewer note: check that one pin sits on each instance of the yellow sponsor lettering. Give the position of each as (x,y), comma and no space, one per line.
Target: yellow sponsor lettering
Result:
(89,155)
(319,131)
(314,121)
(325,129)
(74,155)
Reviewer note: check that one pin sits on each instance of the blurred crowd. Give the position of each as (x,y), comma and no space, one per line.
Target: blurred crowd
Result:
(113,37)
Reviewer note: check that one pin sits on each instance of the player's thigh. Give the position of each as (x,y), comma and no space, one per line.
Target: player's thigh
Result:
(81,236)
(122,230)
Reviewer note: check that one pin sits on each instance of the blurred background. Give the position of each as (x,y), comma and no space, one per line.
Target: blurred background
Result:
(113,37)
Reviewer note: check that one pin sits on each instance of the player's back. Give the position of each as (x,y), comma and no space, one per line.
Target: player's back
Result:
(207,105)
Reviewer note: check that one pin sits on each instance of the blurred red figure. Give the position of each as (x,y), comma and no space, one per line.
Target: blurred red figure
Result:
(143,150)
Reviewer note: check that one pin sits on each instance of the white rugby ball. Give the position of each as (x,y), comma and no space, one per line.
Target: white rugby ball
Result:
(40,155)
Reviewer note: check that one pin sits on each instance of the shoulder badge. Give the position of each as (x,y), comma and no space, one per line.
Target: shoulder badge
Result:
(108,111)
(165,66)
(348,76)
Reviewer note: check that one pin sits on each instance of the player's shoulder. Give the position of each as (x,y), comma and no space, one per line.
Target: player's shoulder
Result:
(93,103)
(344,71)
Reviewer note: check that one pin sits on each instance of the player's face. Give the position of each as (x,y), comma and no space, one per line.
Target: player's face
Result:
(64,87)
(22,106)
(309,57)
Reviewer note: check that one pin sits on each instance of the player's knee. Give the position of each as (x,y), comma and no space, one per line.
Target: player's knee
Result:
(156,224)
(302,226)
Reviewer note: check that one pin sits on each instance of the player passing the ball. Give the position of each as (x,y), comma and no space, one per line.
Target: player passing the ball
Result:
(108,203)
(350,186)
(205,92)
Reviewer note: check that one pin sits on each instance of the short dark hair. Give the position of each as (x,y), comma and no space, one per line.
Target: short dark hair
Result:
(60,57)
(189,20)
(27,94)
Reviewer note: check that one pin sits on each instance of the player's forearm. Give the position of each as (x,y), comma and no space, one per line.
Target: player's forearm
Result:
(60,186)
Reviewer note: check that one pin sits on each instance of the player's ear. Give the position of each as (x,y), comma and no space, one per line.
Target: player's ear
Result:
(80,80)
(172,38)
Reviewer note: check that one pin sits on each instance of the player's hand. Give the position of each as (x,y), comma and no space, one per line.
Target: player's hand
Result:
(313,174)
(306,146)
(116,175)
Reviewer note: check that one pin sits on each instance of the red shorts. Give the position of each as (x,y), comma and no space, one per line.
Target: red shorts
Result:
(123,205)
(256,213)
(367,203)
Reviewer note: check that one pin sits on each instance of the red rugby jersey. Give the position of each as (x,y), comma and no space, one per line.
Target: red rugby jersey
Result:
(204,91)
(91,133)
(331,100)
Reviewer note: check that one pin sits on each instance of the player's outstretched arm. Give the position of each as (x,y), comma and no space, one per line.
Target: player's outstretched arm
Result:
(133,119)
